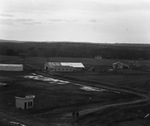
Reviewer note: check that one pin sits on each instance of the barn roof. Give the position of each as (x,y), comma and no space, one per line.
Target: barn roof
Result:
(76,65)
(52,64)
(71,64)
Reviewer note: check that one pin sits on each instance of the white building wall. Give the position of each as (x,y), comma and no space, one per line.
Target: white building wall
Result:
(11,67)
(63,69)
(58,68)
(20,103)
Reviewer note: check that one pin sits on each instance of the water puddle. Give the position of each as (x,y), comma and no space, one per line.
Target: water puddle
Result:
(89,88)
(117,92)
(3,84)
(61,82)
(146,115)
(16,123)
(46,79)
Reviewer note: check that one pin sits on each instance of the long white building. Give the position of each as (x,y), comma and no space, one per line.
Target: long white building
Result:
(11,67)
(63,66)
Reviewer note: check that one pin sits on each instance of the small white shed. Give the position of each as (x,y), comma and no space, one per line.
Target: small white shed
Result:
(26,102)
(11,67)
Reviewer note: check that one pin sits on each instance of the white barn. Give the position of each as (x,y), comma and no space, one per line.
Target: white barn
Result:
(25,102)
(63,66)
(11,67)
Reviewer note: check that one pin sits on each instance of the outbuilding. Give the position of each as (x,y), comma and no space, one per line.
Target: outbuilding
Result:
(119,65)
(98,57)
(11,67)
(26,102)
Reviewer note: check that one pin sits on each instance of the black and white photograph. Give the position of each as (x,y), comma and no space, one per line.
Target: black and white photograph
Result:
(74,62)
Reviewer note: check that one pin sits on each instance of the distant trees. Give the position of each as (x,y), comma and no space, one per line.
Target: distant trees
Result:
(23,55)
(11,52)
(87,50)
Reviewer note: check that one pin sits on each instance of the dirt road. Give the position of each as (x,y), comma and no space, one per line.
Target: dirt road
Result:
(142,99)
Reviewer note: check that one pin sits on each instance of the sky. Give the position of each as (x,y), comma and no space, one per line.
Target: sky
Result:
(98,21)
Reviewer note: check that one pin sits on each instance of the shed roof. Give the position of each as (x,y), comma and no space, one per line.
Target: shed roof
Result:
(26,97)
(120,63)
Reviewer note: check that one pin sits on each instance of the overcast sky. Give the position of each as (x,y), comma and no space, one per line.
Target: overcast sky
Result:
(76,20)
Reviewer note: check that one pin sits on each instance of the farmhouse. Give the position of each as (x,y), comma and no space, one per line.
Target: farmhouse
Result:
(11,67)
(63,66)
(119,65)
(25,102)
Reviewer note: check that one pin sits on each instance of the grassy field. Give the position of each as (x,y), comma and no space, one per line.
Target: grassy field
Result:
(136,81)
(54,100)
(57,99)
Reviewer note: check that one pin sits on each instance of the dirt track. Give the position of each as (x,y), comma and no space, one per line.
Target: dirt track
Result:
(142,99)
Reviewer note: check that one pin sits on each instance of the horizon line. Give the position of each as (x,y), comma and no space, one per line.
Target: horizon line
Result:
(51,41)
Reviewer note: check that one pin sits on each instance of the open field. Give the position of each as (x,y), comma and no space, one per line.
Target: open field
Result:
(56,99)
(138,80)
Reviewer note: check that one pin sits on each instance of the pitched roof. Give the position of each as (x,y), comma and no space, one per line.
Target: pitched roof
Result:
(52,64)
(71,64)
(120,63)
(76,65)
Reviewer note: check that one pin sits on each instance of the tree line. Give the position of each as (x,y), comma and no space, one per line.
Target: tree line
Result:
(83,50)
